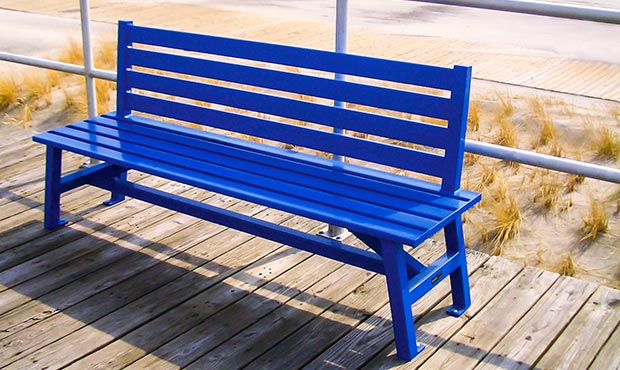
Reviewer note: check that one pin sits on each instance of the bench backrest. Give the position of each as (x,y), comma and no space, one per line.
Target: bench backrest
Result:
(298,96)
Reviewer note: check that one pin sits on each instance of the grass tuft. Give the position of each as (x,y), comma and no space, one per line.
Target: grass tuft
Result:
(38,86)
(567,266)
(507,223)
(27,116)
(607,144)
(548,129)
(547,193)
(470,159)
(104,91)
(73,53)
(507,134)
(595,222)
(8,92)
(573,181)
(507,108)
(506,217)
(486,177)
(75,104)
(473,118)
(105,55)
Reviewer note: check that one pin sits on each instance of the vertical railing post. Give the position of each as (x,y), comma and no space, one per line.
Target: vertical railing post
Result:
(333,231)
(91,92)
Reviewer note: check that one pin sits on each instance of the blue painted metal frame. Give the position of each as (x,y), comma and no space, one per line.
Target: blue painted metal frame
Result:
(384,210)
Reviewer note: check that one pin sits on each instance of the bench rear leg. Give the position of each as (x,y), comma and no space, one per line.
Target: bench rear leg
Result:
(394,257)
(459,278)
(116,195)
(53,189)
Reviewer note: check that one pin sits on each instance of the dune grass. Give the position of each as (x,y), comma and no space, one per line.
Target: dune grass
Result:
(473,117)
(505,216)
(548,190)
(595,222)
(567,266)
(607,144)
(72,53)
(8,92)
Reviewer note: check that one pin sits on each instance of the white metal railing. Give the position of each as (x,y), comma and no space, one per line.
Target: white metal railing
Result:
(485,149)
(582,13)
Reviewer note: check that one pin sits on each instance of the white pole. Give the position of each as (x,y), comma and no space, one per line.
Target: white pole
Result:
(88,59)
(91,93)
(333,231)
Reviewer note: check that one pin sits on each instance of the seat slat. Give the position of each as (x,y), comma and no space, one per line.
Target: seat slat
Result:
(287,160)
(370,175)
(268,197)
(308,176)
(375,152)
(263,185)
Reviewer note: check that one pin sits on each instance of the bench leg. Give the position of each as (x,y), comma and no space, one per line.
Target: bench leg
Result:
(459,279)
(53,189)
(395,261)
(116,195)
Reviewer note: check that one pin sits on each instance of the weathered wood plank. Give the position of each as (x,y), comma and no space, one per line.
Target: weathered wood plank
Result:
(586,334)
(222,313)
(158,273)
(78,205)
(540,327)
(433,326)
(260,334)
(28,183)
(608,357)
(315,337)
(482,333)
(58,266)
(170,246)
(22,144)
(120,322)
(54,241)
(19,153)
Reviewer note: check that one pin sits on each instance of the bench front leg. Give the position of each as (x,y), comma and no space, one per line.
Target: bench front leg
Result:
(459,278)
(395,260)
(53,189)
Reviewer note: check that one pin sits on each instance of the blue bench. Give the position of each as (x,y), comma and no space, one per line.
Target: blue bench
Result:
(286,96)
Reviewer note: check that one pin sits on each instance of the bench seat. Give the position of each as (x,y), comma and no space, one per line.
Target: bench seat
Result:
(354,197)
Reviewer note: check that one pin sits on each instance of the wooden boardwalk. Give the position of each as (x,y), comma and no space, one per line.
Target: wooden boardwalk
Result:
(142,287)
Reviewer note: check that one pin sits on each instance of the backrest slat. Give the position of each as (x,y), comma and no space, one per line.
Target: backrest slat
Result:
(311,86)
(376,152)
(399,114)
(388,70)
(388,127)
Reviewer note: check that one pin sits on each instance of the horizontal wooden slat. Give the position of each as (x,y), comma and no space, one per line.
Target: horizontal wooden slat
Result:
(249,176)
(372,180)
(372,123)
(387,196)
(376,152)
(381,97)
(395,71)
(267,194)
(373,175)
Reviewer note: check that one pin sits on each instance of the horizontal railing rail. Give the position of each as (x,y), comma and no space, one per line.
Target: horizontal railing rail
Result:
(582,13)
(585,169)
